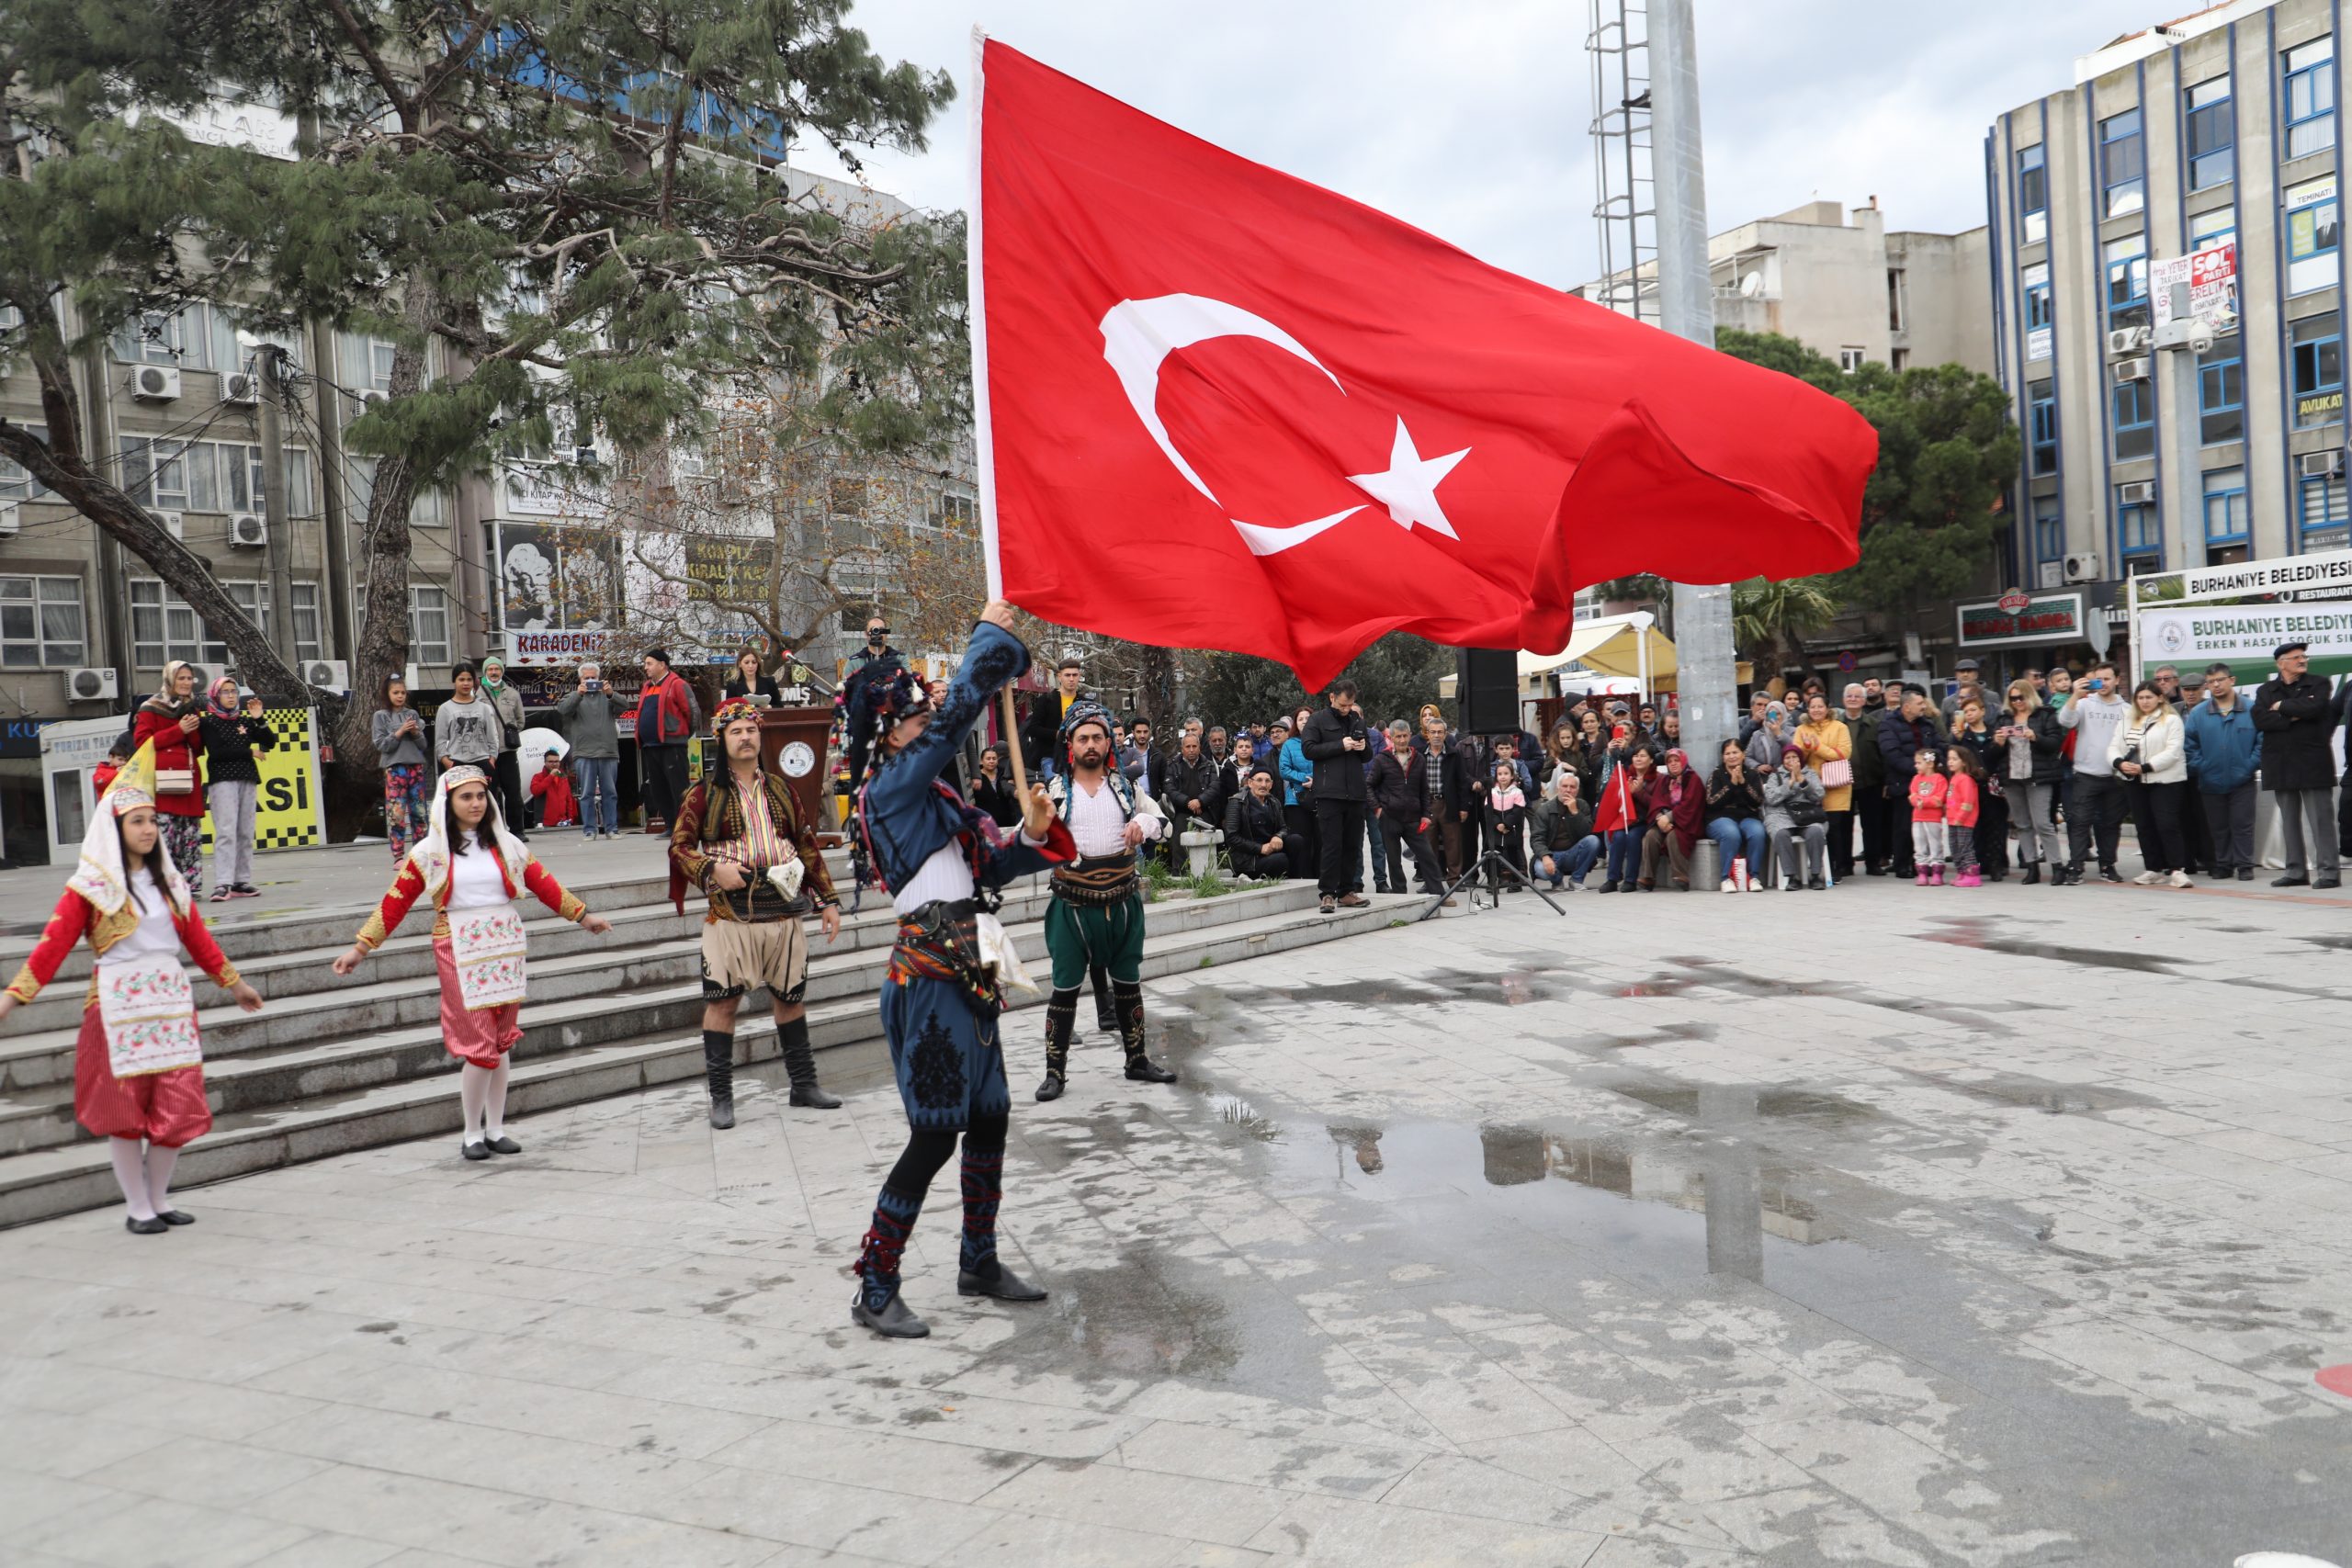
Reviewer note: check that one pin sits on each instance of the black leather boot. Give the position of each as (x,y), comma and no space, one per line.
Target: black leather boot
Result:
(1061,1018)
(1140,1067)
(1106,1016)
(801,1065)
(718,1067)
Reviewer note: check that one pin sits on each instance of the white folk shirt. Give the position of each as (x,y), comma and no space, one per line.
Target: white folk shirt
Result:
(1096,821)
(154,933)
(946,875)
(475,881)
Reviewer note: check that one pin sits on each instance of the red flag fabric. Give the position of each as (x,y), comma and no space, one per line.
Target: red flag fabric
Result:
(1219,407)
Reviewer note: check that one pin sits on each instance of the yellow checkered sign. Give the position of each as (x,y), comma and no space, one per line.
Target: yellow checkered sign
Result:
(289,811)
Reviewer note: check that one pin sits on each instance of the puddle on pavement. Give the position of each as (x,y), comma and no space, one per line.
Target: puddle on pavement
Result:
(2058,949)
(2035,1094)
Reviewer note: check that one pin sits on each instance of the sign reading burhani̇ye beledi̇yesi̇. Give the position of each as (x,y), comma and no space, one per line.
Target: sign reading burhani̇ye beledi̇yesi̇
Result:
(2244,635)
(2327,573)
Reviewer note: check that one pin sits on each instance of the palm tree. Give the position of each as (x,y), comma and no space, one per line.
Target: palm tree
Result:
(1770,619)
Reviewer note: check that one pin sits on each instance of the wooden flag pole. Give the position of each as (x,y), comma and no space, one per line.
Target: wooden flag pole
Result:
(1012,749)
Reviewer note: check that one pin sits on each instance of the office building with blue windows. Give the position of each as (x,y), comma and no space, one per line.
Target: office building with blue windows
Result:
(2168,299)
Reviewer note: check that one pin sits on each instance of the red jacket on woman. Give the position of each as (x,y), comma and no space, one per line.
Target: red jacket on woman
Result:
(173,750)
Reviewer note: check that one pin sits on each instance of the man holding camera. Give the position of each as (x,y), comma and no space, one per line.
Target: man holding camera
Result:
(590,716)
(1335,742)
(2095,710)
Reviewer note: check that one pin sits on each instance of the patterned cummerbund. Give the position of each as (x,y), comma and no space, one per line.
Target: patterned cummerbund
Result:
(1107,879)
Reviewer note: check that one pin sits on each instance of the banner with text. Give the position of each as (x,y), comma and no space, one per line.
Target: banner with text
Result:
(2243,635)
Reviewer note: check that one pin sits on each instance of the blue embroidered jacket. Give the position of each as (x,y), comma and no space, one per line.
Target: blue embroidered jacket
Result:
(905,812)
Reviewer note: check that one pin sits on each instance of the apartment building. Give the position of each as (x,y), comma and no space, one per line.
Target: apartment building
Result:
(2168,299)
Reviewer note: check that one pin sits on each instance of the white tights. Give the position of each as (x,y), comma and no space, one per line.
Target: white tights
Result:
(144,1174)
(481,1091)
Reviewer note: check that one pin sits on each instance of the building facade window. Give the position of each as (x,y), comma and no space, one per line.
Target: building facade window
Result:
(429,624)
(40,623)
(208,476)
(1849,358)
(2041,426)
(2220,392)
(2127,282)
(2226,506)
(2033,196)
(309,640)
(2122,164)
(16,482)
(1894,298)
(2049,542)
(2317,366)
(2215,228)
(2140,531)
(2212,134)
(164,627)
(2136,418)
(2040,312)
(2311,248)
(2324,522)
(2309,83)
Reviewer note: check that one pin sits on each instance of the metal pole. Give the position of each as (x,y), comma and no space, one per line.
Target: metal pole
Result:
(270,361)
(1706,679)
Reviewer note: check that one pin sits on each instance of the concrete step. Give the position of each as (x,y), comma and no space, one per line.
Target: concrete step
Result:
(46,1182)
(335,1043)
(252,931)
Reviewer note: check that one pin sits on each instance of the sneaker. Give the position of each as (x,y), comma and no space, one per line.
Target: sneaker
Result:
(220,896)
(2246,874)
(1790,884)
(245,890)
(1729,886)
(2108,873)
(1330,906)
(2148,879)
(1608,887)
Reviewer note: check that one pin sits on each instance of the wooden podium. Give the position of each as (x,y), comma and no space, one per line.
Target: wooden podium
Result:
(792,742)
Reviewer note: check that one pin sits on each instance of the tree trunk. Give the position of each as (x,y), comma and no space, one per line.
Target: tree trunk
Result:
(382,645)
(59,464)
(1156,675)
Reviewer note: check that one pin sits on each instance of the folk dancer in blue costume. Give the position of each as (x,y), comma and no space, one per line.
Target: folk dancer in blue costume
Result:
(1096,918)
(942,860)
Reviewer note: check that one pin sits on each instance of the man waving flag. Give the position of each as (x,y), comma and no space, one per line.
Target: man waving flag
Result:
(1220,407)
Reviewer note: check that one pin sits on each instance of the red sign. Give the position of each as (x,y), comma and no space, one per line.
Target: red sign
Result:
(1848,664)
(2014,601)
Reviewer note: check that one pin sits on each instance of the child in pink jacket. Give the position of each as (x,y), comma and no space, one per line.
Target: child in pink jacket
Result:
(1930,846)
(1961,793)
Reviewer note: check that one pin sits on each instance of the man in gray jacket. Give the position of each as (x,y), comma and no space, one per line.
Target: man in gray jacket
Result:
(588,716)
(2095,710)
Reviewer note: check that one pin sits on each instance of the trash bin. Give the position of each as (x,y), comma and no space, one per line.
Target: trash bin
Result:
(1706,867)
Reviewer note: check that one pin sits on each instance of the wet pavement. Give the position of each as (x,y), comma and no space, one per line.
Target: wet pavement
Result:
(1888,1227)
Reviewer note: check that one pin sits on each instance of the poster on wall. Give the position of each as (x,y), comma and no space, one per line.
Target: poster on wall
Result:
(554,576)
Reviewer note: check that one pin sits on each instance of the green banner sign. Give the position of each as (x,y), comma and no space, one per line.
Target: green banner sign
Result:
(2243,635)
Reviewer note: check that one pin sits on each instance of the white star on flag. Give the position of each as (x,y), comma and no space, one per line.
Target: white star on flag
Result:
(1408,487)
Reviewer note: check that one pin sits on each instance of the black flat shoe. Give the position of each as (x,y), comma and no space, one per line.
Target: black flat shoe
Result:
(893,1322)
(2291,879)
(814,1099)
(1143,1069)
(1051,1088)
(174,1217)
(476,1151)
(1005,1286)
(2328,882)
(501,1145)
(144,1227)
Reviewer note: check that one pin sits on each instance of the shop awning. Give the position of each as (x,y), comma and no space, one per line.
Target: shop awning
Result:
(1629,645)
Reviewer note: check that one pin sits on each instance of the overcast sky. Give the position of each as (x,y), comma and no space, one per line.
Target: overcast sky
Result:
(1470,119)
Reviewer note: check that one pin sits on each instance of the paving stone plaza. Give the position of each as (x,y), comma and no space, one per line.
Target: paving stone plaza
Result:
(1888,1226)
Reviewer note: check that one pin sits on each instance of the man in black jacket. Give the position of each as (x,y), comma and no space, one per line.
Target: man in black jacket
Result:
(1334,740)
(1399,793)
(2296,719)
(1457,791)
(1041,735)
(1193,790)
(1906,729)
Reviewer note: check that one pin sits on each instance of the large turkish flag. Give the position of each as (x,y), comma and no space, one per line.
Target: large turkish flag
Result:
(1221,408)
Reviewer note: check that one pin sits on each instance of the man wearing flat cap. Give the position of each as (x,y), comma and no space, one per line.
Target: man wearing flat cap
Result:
(2297,721)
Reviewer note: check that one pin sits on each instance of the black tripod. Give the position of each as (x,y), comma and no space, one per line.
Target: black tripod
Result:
(1490,860)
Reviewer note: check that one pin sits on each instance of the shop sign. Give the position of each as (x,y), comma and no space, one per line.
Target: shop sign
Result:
(2243,635)
(2018,617)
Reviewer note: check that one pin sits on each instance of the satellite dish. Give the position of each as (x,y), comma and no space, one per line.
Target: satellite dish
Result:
(1751,286)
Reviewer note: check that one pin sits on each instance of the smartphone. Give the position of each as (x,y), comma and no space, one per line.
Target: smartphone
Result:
(591,685)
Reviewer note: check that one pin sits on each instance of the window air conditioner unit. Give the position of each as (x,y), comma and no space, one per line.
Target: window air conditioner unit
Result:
(2131,369)
(2126,340)
(241,389)
(2320,465)
(174,523)
(11,522)
(155,383)
(371,398)
(2141,494)
(2052,574)
(327,674)
(248,530)
(204,675)
(85,685)
(2083,568)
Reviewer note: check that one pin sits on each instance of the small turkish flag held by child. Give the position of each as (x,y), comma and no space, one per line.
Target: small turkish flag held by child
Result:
(1221,408)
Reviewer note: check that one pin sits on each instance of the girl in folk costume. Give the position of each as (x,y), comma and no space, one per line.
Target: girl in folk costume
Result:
(944,991)
(138,1081)
(472,869)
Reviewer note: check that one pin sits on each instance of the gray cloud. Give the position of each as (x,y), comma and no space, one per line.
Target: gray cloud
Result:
(1470,120)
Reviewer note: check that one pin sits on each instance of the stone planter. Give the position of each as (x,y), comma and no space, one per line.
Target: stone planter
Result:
(1200,850)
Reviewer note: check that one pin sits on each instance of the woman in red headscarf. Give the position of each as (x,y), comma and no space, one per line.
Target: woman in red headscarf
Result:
(1677,816)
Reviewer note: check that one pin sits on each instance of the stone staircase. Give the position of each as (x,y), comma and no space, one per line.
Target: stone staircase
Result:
(333,1065)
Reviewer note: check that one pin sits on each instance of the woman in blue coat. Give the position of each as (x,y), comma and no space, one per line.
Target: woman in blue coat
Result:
(1299,799)
(942,860)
